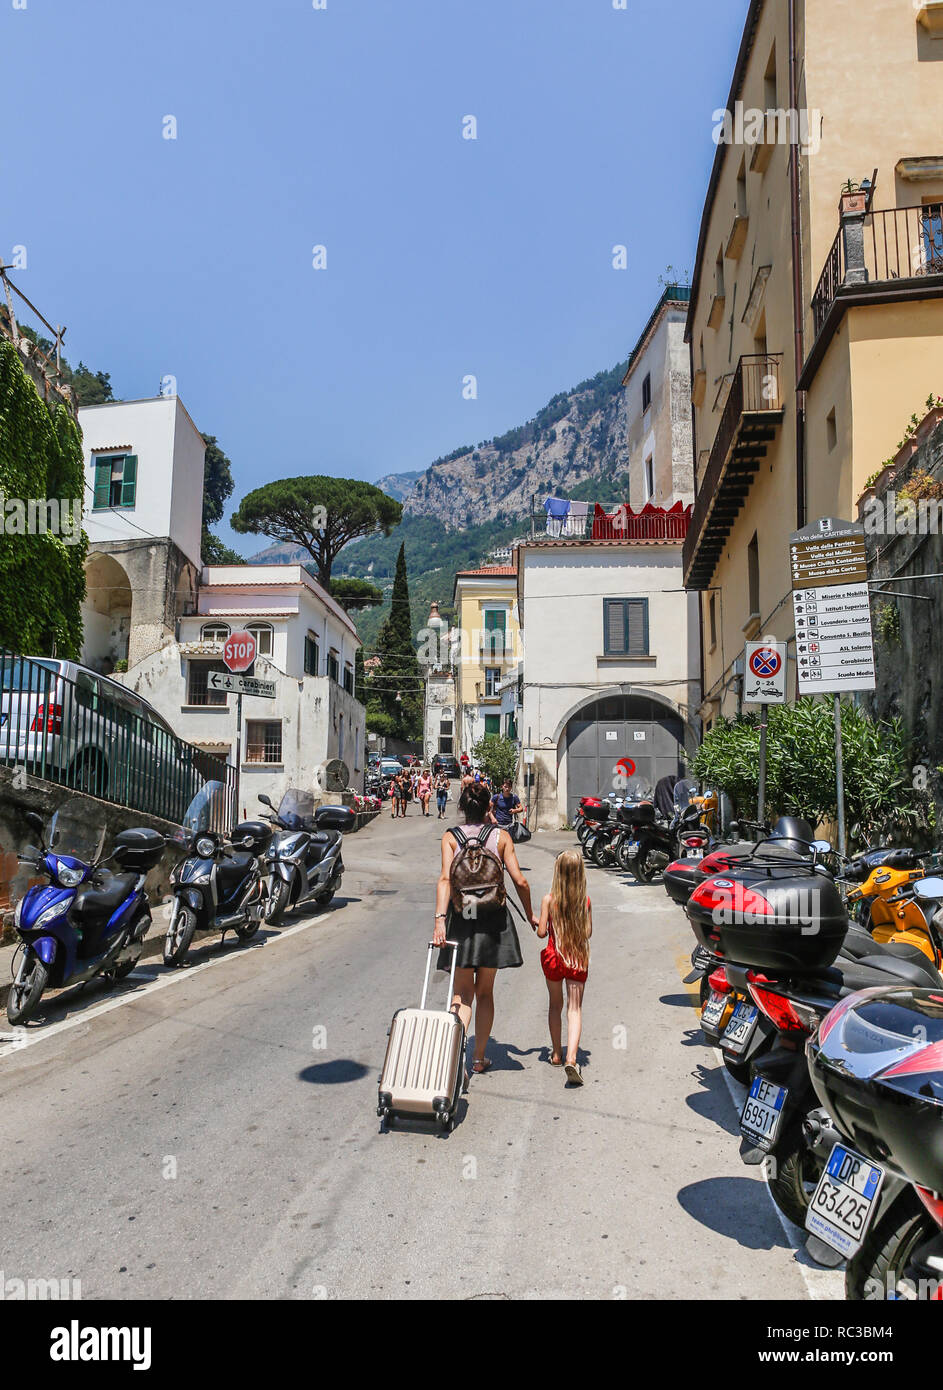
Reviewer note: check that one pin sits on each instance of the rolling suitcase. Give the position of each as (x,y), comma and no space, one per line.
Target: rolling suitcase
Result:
(425,1060)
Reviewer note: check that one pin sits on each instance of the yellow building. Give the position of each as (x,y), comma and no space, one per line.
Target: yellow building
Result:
(816,319)
(489,650)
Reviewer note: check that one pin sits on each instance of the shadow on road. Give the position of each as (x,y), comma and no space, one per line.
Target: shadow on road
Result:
(677,1001)
(737,1208)
(337,1073)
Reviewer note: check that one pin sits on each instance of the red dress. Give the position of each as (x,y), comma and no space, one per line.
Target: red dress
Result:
(553,964)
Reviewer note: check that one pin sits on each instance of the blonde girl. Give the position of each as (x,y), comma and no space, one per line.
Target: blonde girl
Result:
(566,919)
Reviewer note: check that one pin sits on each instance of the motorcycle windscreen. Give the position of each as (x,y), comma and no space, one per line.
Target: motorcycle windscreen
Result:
(300,803)
(683,794)
(636,790)
(78,830)
(207,811)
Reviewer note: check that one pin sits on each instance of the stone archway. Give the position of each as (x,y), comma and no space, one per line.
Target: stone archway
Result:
(106,613)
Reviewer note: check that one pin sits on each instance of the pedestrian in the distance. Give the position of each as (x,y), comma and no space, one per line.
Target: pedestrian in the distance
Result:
(394,797)
(424,790)
(441,793)
(566,920)
(405,792)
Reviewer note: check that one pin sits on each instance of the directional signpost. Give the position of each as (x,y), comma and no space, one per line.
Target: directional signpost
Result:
(764,683)
(242,685)
(834,644)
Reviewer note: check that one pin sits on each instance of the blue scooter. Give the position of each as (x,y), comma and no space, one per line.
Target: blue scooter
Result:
(87,920)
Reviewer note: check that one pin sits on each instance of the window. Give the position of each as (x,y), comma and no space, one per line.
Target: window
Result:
(719,274)
(647,392)
(492,725)
(492,677)
(311,655)
(649,479)
(753,573)
(769,82)
(625,623)
(494,636)
(332,665)
(262,632)
(198,692)
(510,727)
(931,231)
(445,745)
(712,612)
(445,726)
(349,679)
(86,690)
(214,632)
(115,481)
(831,430)
(263,741)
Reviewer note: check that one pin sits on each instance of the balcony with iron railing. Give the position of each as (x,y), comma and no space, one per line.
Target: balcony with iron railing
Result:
(885,256)
(751,417)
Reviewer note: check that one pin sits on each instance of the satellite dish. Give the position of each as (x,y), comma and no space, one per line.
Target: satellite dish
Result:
(336,776)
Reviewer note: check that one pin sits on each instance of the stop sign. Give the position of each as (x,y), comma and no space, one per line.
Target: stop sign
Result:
(239,652)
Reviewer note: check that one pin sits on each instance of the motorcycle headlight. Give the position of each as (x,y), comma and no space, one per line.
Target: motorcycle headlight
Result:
(51,913)
(67,876)
(18,913)
(205,847)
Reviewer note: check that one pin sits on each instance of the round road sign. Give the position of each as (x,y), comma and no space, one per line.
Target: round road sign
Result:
(766,663)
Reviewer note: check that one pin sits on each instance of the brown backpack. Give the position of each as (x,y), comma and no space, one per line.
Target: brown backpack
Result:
(476,875)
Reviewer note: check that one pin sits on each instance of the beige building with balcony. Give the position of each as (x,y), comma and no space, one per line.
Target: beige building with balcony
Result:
(815,331)
(487,652)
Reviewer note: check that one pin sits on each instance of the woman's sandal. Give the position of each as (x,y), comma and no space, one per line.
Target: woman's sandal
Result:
(480,1066)
(556,1063)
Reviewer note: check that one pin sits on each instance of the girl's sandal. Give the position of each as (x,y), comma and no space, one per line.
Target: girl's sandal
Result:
(480,1066)
(556,1061)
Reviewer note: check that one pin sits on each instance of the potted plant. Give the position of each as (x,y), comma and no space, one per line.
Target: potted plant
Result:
(853,199)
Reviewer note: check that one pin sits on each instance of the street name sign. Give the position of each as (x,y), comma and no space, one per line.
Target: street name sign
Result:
(764,679)
(241,685)
(834,642)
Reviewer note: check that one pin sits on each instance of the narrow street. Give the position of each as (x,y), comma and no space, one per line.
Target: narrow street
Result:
(212,1133)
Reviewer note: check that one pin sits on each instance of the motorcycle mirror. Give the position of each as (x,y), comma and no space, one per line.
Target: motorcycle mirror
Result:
(822,846)
(929,888)
(266,801)
(36,821)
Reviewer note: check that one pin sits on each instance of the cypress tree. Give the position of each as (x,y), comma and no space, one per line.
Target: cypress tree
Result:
(399,672)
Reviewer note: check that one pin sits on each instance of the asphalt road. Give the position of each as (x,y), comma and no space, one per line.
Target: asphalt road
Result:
(212,1132)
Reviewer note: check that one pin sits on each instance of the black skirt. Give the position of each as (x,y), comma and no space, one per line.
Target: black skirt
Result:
(487,943)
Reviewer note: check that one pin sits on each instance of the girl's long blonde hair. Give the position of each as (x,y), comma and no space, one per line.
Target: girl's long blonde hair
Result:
(568,909)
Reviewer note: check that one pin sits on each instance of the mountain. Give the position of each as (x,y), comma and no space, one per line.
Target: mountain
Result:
(579,437)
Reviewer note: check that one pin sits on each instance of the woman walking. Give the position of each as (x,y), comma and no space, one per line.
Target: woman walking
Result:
(566,919)
(487,940)
(441,793)
(424,790)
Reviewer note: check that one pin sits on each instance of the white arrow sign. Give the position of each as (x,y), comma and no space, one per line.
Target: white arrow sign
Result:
(241,685)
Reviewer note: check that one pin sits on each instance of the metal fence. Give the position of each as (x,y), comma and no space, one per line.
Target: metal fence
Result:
(898,244)
(93,738)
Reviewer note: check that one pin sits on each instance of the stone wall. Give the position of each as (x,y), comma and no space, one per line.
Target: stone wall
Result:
(908,640)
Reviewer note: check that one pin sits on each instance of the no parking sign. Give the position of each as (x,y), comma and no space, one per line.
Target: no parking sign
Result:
(764,678)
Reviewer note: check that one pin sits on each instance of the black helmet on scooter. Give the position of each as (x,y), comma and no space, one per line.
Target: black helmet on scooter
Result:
(790,832)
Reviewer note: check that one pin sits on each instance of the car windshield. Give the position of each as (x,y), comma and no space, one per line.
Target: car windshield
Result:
(78,829)
(207,810)
(298,803)
(684,793)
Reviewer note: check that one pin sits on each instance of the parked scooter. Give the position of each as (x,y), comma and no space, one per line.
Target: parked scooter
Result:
(220,884)
(876,1064)
(88,920)
(303,862)
(648,846)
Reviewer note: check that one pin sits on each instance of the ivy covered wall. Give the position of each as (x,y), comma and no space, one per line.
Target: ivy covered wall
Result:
(42,578)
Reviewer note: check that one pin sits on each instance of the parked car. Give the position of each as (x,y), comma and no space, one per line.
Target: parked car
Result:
(445,762)
(66,723)
(390,767)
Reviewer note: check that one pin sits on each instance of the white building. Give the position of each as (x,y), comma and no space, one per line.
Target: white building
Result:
(439,707)
(143,515)
(306,644)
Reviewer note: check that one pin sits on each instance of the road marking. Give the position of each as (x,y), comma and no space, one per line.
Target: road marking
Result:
(29,1037)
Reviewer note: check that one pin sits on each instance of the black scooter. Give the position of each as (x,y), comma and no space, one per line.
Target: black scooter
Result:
(303,863)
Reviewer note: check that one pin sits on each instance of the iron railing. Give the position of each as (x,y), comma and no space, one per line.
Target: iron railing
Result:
(614,522)
(899,244)
(77,733)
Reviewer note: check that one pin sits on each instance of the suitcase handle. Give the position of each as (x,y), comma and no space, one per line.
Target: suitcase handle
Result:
(425,983)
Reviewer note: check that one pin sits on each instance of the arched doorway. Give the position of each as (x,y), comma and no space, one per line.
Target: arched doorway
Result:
(106,613)
(640,732)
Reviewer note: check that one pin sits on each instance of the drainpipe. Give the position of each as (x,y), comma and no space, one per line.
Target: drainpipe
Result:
(797,301)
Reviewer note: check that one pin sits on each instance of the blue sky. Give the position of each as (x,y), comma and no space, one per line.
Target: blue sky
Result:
(342,127)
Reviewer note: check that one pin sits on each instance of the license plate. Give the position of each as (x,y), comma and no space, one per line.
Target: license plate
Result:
(844,1200)
(739,1030)
(632,847)
(763,1111)
(713,1010)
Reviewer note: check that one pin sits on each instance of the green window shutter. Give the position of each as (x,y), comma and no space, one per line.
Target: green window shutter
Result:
(129,481)
(492,725)
(637,624)
(495,620)
(102,483)
(614,627)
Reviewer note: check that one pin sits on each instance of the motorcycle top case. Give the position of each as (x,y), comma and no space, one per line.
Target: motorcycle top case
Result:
(775,920)
(637,813)
(138,850)
(335,818)
(681,878)
(255,830)
(876,1063)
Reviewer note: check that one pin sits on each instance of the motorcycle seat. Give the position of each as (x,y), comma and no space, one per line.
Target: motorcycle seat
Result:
(101,900)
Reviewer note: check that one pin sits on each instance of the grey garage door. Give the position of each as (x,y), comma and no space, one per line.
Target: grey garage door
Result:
(621,733)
